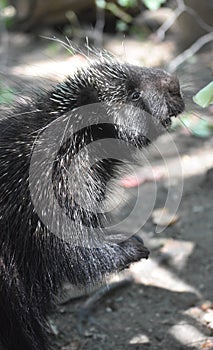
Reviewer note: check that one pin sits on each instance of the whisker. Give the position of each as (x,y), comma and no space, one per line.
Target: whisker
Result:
(27,112)
(59,41)
(65,129)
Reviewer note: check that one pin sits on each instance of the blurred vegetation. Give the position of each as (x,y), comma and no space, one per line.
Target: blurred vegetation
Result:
(3,3)
(6,17)
(6,95)
(205,96)
(29,14)
(120,9)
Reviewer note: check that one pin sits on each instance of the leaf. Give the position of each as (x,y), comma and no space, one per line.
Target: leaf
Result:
(100,4)
(6,95)
(202,129)
(121,26)
(127,3)
(198,127)
(3,3)
(118,12)
(204,97)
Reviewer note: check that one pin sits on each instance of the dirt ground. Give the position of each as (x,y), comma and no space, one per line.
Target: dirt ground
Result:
(169,302)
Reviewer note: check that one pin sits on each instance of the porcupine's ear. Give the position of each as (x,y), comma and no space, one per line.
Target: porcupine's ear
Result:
(87,95)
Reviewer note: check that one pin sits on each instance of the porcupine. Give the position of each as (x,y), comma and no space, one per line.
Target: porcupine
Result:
(33,260)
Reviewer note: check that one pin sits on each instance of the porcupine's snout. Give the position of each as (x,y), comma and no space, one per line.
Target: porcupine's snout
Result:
(171,87)
(162,96)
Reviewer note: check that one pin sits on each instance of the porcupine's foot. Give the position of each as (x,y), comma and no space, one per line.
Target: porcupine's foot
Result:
(133,250)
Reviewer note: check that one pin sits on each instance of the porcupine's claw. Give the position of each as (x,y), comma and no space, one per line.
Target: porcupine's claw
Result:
(136,249)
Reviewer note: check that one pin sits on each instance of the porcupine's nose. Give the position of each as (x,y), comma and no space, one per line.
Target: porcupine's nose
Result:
(171,88)
(170,84)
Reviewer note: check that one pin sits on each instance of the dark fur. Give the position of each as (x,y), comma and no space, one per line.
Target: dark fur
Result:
(33,261)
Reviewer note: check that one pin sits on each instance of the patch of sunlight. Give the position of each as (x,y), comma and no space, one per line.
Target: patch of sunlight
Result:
(178,252)
(150,273)
(193,164)
(55,70)
(139,339)
(187,334)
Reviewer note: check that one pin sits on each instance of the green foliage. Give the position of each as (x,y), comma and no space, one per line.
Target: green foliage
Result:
(153,4)
(196,126)
(120,7)
(118,12)
(137,32)
(123,3)
(127,3)
(150,4)
(6,14)
(3,3)
(203,128)
(204,97)
(100,3)
(121,26)
(6,95)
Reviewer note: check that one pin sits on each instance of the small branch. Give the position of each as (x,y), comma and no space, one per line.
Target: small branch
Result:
(199,20)
(99,26)
(168,23)
(177,12)
(189,52)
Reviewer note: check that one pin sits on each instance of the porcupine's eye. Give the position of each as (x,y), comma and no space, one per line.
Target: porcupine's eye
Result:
(135,95)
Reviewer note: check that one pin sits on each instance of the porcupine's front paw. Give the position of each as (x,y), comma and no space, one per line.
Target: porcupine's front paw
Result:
(121,256)
(93,264)
(133,250)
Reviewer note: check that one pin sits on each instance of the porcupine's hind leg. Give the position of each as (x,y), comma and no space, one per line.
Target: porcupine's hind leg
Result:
(20,321)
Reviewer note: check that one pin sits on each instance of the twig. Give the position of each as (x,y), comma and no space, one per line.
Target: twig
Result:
(189,52)
(99,25)
(169,22)
(199,20)
(177,12)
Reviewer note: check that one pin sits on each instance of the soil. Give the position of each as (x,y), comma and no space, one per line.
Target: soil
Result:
(169,302)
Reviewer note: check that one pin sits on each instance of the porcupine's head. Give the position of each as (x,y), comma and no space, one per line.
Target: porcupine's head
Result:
(141,100)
